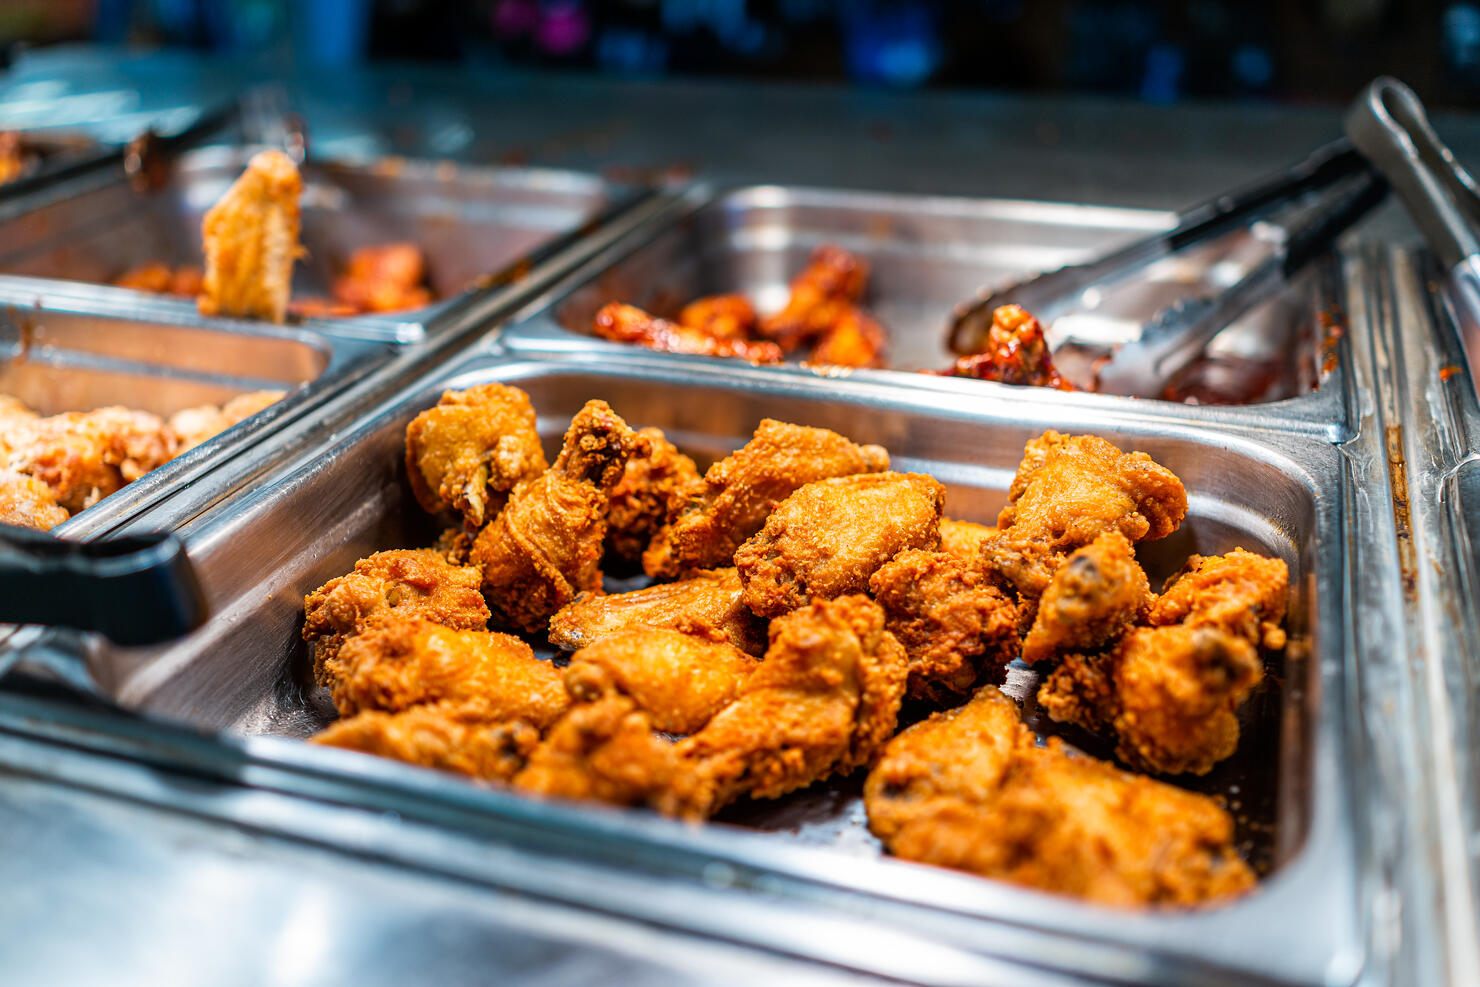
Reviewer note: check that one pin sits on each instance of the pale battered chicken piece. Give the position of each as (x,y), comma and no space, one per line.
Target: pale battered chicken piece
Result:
(680,681)
(1069,489)
(437,736)
(829,537)
(85,456)
(190,427)
(1240,592)
(398,662)
(653,488)
(630,324)
(742,489)
(855,339)
(963,539)
(28,503)
(832,280)
(823,702)
(415,582)
(605,751)
(469,451)
(970,789)
(708,605)
(1092,599)
(720,316)
(251,241)
(955,626)
(544,547)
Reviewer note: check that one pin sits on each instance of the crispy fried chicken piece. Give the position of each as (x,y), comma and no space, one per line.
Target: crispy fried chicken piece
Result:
(161,279)
(720,316)
(832,280)
(190,427)
(437,736)
(829,537)
(408,582)
(85,456)
(653,488)
(1015,353)
(955,626)
(604,751)
(544,547)
(399,662)
(970,789)
(742,489)
(630,324)
(963,539)
(823,702)
(1069,489)
(679,680)
(387,277)
(251,241)
(855,339)
(469,451)
(708,605)
(1240,592)
(1090,601)
(28,503)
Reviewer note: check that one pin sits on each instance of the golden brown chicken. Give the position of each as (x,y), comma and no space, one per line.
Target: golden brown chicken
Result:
(720,316)
(409,582)
(830,283)
(159,278)
(28,503)
(251,241)
(387,277)
(1015,352)
(855,339)
(829,537)
(437,736)
(85,456)
(190,427)
(963,539)
(1241,592)
(742,489)
(605,751)
(956,628)
(653,488)
(469,451)
(630,324)
(679,680)
(971,789)
(544,547)
(708,605)
(1090,601)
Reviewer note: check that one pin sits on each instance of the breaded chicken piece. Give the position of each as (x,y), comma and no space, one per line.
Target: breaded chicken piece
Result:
(544,547)
(161,279)
(832,280)
(855,339)
(605,751)
(653,488)
(1240,592)
(469,451)
(251,241)
(28,503)
(408,582)
(680,681)
(1070,489)
(630,324)
(955,626)
(1015,353)
(720,316)
(829,537)
(1090,601)
(386,277)
(189,427)
(970,789)
(399,662)
(823,702)
(709,605)
(742,489)
(437,736)
(963,539)
(85,456)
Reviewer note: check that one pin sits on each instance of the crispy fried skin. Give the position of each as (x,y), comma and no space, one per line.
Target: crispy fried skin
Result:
(630,324)
(708,605)
(190,427)
(28,503)
(955,626)
(468,452)
(251,241)
(740,491)
(1240,592)
(437,736)
(970,789)
(85,456)
(544,547)
(823,702)
(829,537)
(832,280)
(604,751)
(387,277)
(963,539)
(855,339)
(720,316)
(653,488)
(1015,353)
(1090,601)
(678,679)
(408,582)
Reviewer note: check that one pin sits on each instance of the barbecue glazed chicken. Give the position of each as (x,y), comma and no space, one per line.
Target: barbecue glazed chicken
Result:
(251,241)
(1014,352)
(630,324)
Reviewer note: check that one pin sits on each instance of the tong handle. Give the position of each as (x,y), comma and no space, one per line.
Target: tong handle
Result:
(1309,240)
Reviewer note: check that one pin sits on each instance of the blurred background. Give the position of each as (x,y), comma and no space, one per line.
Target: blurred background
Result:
(1158,52)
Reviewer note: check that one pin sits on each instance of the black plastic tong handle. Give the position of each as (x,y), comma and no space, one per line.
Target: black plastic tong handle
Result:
(137,589)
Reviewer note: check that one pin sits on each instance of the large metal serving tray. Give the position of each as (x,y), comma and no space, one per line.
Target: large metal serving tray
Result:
(1281,360)
(471,222)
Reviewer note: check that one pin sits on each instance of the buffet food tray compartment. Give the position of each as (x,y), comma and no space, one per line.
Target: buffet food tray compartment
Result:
(246,674)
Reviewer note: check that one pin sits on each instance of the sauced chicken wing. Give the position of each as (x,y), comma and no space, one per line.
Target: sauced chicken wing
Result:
(963,539)
(630,324)
(544,547)
(1015,353)
(28,503)
(387,277)
(604,751)
(955,626)
(678,679)
(654,487)
(437,736)
(251,241)
(408,582)
(832,280)
(720,316)
(1090,601)
(970,789)
(855,339)
(829,537)
(469,451)
(85,456)
(709,605)
(740,491)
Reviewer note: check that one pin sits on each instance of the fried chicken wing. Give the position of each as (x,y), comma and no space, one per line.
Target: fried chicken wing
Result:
(437,736)
(963,539)
(387,277)
(653,488)
(678,679)
(184,281)
(85,456)
(970,789)
(1240,592)
(605,751)
(832,280)
(708,605)
(720,316)
(829,537)
(954,625)
(190,427)
(742,489)
(251,241)
(545,546)
(408,582)
(1015,353)
(855,339)
(28,503)
(630,324)
(1090,601)
(469,451)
